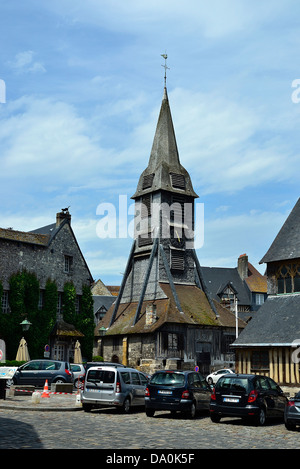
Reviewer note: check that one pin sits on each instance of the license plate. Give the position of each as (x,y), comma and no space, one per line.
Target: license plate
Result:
(167,393)
(230,399)
(93,390)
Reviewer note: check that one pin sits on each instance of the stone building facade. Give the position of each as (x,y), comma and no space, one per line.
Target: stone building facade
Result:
(51,252)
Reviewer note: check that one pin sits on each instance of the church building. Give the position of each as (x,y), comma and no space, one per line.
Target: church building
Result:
(163,316)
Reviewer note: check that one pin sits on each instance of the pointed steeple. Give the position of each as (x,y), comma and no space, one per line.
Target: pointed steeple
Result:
(164,171)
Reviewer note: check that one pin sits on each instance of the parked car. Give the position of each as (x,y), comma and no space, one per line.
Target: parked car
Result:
(91,364)
(35,372)
(78,371)
(247,396)
(184,391)
(213,377)
(115,385)
(292,412)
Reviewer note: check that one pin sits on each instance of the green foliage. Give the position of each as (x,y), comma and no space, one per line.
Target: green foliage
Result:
(69,300)
(85,322)
(23,301)
(97,358)
(12,363)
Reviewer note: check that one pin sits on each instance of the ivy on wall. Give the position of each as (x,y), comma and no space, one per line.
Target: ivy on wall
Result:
(24,303)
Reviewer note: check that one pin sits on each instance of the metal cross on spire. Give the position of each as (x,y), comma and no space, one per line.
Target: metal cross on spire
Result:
(165,67)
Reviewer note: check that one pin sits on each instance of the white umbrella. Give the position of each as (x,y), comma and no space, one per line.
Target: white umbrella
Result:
(22,353)
(77,353)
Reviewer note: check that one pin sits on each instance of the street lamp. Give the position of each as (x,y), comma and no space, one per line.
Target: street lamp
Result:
(25,325)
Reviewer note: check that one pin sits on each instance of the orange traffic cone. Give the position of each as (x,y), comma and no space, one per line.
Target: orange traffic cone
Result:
(46,392)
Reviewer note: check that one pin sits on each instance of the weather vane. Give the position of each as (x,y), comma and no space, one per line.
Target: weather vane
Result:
(165,67)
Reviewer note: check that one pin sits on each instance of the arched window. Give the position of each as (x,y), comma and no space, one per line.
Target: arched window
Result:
(288,278)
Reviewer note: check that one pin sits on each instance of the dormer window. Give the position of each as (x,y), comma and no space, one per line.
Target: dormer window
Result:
(178,181)
(147,181)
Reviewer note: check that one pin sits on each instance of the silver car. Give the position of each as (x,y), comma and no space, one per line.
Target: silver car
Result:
(120,387)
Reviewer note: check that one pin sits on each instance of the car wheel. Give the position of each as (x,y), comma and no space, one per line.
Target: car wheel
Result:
(77,384)
(126,406)
(59,381)
(215,418)
(210,381)
(10,382)
(261,418)
(192,412)
(87,407)
(289,426)
(150,412)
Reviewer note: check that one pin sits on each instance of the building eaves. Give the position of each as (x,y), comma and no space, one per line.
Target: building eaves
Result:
(276,322)
(24,237)
(195,311)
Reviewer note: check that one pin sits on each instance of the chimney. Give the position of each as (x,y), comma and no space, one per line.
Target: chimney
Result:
(243,266)
(150,315)
(63,215)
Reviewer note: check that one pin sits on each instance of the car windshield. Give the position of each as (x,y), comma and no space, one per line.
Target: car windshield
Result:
(168,379)
(229,383)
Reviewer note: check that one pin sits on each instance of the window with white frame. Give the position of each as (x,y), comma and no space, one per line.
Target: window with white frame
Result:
(259,298)
(67,264)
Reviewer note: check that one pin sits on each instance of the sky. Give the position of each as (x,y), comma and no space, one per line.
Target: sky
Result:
(81,85)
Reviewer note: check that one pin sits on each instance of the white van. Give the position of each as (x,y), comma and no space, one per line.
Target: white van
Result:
(113,386)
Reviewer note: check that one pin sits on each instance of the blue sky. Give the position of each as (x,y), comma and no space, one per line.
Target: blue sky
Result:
(84,85)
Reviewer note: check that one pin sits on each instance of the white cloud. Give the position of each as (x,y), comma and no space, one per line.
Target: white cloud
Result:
(227,237)
(24,63)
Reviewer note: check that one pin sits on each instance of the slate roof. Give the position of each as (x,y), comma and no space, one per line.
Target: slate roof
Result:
(194,303)
(25,237)
(103,300)
(277,322)
(286,245)
(41,236)
(216,278)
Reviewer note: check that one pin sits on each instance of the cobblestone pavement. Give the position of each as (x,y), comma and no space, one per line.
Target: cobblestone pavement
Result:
(108,429)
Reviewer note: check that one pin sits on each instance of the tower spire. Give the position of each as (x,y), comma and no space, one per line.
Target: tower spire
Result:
(165,67)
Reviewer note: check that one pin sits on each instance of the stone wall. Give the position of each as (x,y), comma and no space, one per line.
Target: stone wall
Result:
(45,261)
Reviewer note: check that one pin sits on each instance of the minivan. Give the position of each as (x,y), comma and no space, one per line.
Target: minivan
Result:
(116,386)
(249,396)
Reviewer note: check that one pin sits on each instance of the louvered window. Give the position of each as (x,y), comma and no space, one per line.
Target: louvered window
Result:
(177,213)
(146,206)
(147,181)
(145,240)
(177,260)
(178,181)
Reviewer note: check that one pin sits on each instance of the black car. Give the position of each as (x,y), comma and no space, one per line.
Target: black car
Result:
(184,391)
(292,412)
(248,396)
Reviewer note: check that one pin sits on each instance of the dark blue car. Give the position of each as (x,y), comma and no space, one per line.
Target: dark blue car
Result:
(292,412)
(184,391)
